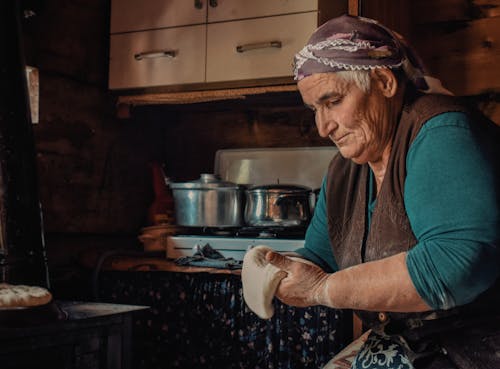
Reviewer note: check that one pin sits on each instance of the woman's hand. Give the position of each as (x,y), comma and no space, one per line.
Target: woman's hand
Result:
(304,284)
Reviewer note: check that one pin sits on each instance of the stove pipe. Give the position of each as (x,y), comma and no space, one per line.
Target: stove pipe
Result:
(22,247)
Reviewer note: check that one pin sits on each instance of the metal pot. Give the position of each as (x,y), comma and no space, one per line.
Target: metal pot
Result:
(278,205)
(208,202)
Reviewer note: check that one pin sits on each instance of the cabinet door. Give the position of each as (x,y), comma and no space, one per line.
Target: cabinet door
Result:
(249,49)
(140,15)
(157,58)
(241,9)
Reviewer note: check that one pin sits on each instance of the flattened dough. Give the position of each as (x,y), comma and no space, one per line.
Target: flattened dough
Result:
(23,296)
(260,281)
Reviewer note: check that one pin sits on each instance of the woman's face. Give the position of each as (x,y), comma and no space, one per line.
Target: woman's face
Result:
(357,122)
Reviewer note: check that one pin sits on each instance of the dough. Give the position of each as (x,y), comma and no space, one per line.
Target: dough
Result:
(260,281)
(12,296)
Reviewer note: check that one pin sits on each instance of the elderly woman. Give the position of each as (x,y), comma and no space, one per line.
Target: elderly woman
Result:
(407,225)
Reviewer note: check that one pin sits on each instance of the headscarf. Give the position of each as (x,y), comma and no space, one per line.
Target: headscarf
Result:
(357,43)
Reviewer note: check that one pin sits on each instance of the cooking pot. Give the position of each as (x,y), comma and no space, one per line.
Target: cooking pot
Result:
(208,202)
(278,205)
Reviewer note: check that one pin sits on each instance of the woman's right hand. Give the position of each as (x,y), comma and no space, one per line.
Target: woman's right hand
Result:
(305,283)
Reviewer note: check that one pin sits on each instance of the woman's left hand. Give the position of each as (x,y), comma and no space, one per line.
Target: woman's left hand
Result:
(304,284)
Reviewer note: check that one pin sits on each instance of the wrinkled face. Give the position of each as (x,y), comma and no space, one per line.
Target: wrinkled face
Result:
(357,122)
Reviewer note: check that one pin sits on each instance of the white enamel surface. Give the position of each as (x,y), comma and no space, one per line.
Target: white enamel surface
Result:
(188,65)
(224,63)
(230,247)
(304,166)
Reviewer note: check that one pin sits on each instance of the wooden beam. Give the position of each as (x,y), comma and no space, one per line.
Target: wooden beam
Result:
(392,14)
(353,7)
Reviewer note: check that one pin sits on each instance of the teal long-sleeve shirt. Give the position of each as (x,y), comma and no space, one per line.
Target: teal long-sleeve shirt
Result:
(451,202)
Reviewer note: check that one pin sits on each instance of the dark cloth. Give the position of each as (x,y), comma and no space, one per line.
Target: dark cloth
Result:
(201,321)
(472,347)
(207,257)
(455,343)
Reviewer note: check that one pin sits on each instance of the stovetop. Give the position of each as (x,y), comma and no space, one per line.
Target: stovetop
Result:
(277,232)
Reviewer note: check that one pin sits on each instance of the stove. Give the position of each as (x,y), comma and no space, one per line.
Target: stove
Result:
(303,166)
(234,242)
(178,246)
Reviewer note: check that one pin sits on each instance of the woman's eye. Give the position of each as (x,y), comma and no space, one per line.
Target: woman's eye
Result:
(331,103)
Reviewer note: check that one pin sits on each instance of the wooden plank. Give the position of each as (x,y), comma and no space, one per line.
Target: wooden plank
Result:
(393,14)
(353,7)
(144,263)
(330,9)
(201,96)
(431,11)
(464,58)
(434,11)
(357,327)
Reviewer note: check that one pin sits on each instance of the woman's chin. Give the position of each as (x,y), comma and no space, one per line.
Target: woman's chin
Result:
(351,155)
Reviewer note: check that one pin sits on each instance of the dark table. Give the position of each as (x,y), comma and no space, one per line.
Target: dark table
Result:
(84,335)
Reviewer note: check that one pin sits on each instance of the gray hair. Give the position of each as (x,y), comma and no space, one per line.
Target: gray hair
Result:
(361,78)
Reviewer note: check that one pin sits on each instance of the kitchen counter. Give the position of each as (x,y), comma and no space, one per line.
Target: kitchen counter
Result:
(137,260)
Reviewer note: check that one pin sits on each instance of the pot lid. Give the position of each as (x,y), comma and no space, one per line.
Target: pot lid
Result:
(206,181)
(280,188)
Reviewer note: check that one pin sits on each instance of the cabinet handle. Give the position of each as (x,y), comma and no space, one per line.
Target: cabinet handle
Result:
(258,45)
(213,3)
(155,54)
(198,4)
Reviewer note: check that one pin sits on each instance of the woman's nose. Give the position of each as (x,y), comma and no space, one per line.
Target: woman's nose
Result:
(324,123)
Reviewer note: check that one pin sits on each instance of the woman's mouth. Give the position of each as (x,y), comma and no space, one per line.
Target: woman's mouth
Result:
(339,140)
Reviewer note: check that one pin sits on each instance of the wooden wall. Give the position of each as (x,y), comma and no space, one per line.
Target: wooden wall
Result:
(90,164)
(460,43)
(93,169)
(458,40)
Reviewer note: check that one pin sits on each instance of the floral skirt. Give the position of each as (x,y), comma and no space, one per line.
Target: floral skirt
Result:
(382,352)
(373,351)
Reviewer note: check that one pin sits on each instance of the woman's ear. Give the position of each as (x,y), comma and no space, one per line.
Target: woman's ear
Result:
(385,80)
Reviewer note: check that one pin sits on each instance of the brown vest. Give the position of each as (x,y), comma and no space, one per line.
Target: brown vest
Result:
(347,189)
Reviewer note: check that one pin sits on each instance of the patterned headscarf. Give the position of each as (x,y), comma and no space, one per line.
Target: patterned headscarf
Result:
(358,43)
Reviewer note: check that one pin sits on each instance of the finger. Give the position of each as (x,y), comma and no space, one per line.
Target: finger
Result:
(278,260)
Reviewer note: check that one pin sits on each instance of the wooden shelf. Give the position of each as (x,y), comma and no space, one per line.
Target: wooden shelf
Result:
(191,97)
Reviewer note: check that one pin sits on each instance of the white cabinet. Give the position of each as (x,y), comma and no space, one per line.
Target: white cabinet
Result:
(157,58)
(177,42)
(157,43)
(256,48)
